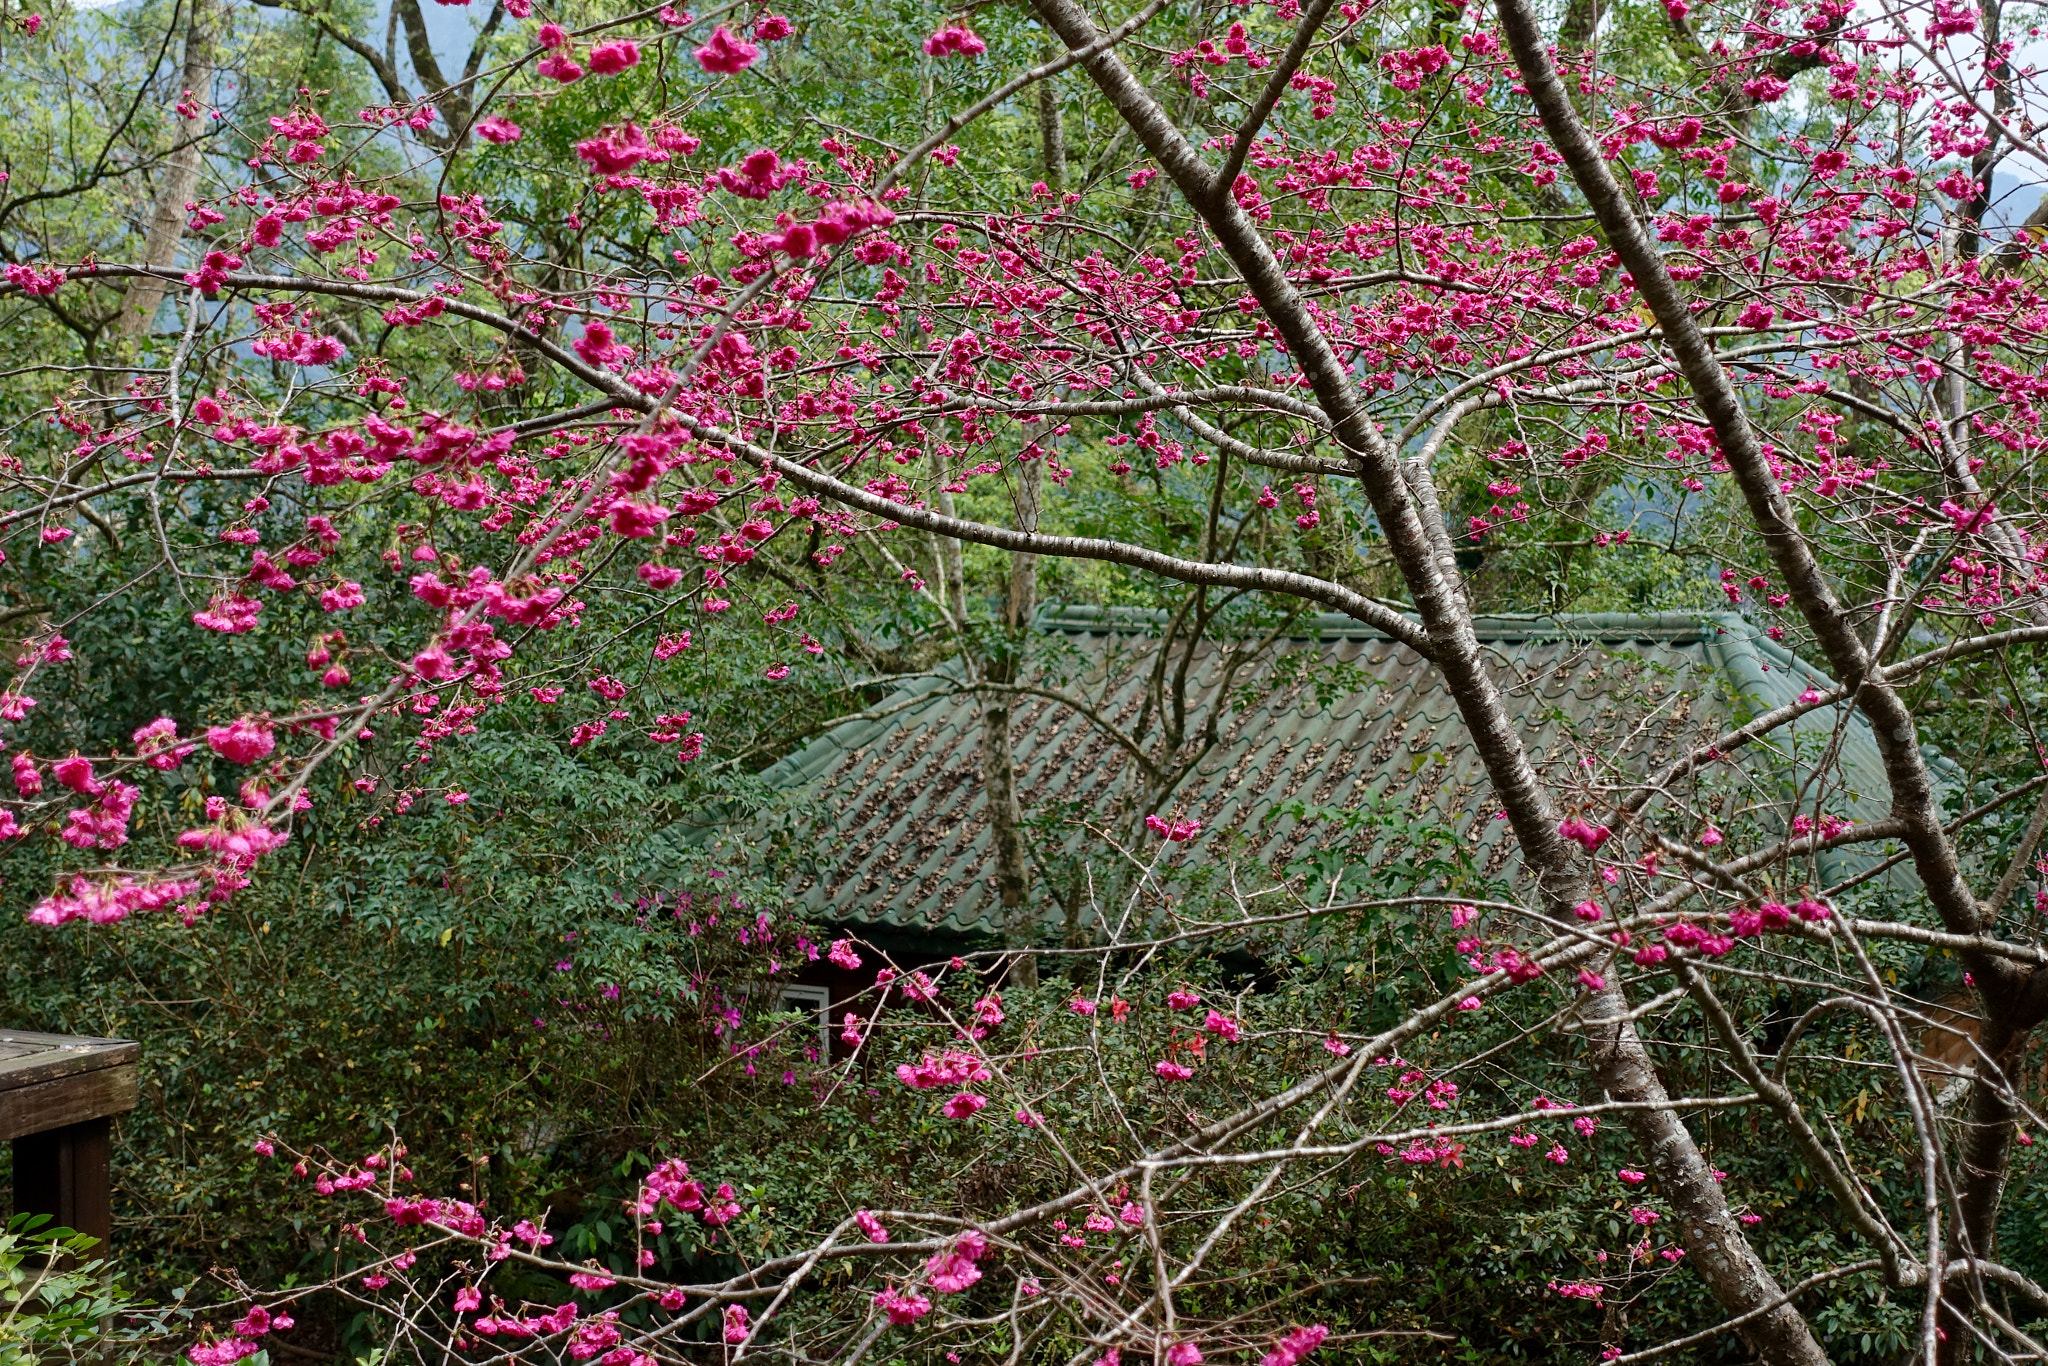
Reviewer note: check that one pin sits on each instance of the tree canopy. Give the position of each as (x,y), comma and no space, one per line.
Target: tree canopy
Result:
(452,452)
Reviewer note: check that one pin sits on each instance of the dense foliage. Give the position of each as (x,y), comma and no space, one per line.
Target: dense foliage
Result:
(451,454)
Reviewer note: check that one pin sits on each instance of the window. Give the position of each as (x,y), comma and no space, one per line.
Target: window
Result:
(818,1001)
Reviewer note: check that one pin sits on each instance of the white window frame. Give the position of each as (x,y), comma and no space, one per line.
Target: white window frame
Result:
(817,999)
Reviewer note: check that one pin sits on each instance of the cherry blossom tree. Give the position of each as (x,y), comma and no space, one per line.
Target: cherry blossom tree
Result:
(1399,299)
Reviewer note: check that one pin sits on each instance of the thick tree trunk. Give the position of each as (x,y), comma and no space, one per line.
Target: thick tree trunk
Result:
(1052,133)
(1006,844)
(1021,602)
(1011,874)
(1581,23)
(998,753)
(951,560)
(1714,1245)
(1417,542)
(180,182)
(1891,721)
(2011,1013)
(1982,1166)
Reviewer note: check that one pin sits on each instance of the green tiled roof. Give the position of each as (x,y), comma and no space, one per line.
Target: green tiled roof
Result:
(898,835)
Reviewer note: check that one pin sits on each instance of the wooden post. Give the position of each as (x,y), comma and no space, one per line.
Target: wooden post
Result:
(57,1096)
(65,1173)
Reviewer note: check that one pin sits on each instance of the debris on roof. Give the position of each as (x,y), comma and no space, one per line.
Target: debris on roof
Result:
(896,833)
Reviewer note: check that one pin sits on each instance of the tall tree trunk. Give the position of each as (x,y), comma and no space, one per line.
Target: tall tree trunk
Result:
(1984,1163)
(1022,600)
(1934,855)
(998,753)
(1006,845)
(1052,133)
(1987,1139)
(952,563)
(1422,552)
(180,180)
(2010,1013)
(1713,1241)
(1581,23)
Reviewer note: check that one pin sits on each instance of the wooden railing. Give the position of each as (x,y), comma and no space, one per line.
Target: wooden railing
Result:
(58,1095)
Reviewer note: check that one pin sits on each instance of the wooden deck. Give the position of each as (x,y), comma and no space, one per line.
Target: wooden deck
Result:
(58,1095)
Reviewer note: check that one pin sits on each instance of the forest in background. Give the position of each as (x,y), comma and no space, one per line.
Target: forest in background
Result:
(520,962)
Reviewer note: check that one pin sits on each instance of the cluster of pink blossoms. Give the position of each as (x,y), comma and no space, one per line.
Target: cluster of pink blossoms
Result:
(243,1338)
(236,843)
(950,1068)
(596,1339)
(1585,834)
(458,1215)
(1743,923)
(835,225)
(1176,831)
(957,1268)
(104,903)
(955,40)
(103,825)
(670,1184)
(559,1320)
(1443,1153)
(726,55)
(948,1272)
(903,1307)
(158,746)
(235,839)
(1295,1345)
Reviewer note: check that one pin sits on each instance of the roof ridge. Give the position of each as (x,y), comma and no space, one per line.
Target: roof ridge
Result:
(898,834)
(1675,627)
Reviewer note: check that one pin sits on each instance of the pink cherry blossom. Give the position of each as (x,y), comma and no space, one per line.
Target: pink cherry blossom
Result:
(559,66)
(949,1273)
(496,128)
(1176,831)
(76,774)
(903,1307)
(1295,1345)
(242,741)
(608,59)
(955,40)
(726,55)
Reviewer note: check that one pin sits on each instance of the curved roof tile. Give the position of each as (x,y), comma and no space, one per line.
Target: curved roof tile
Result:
(897,833)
